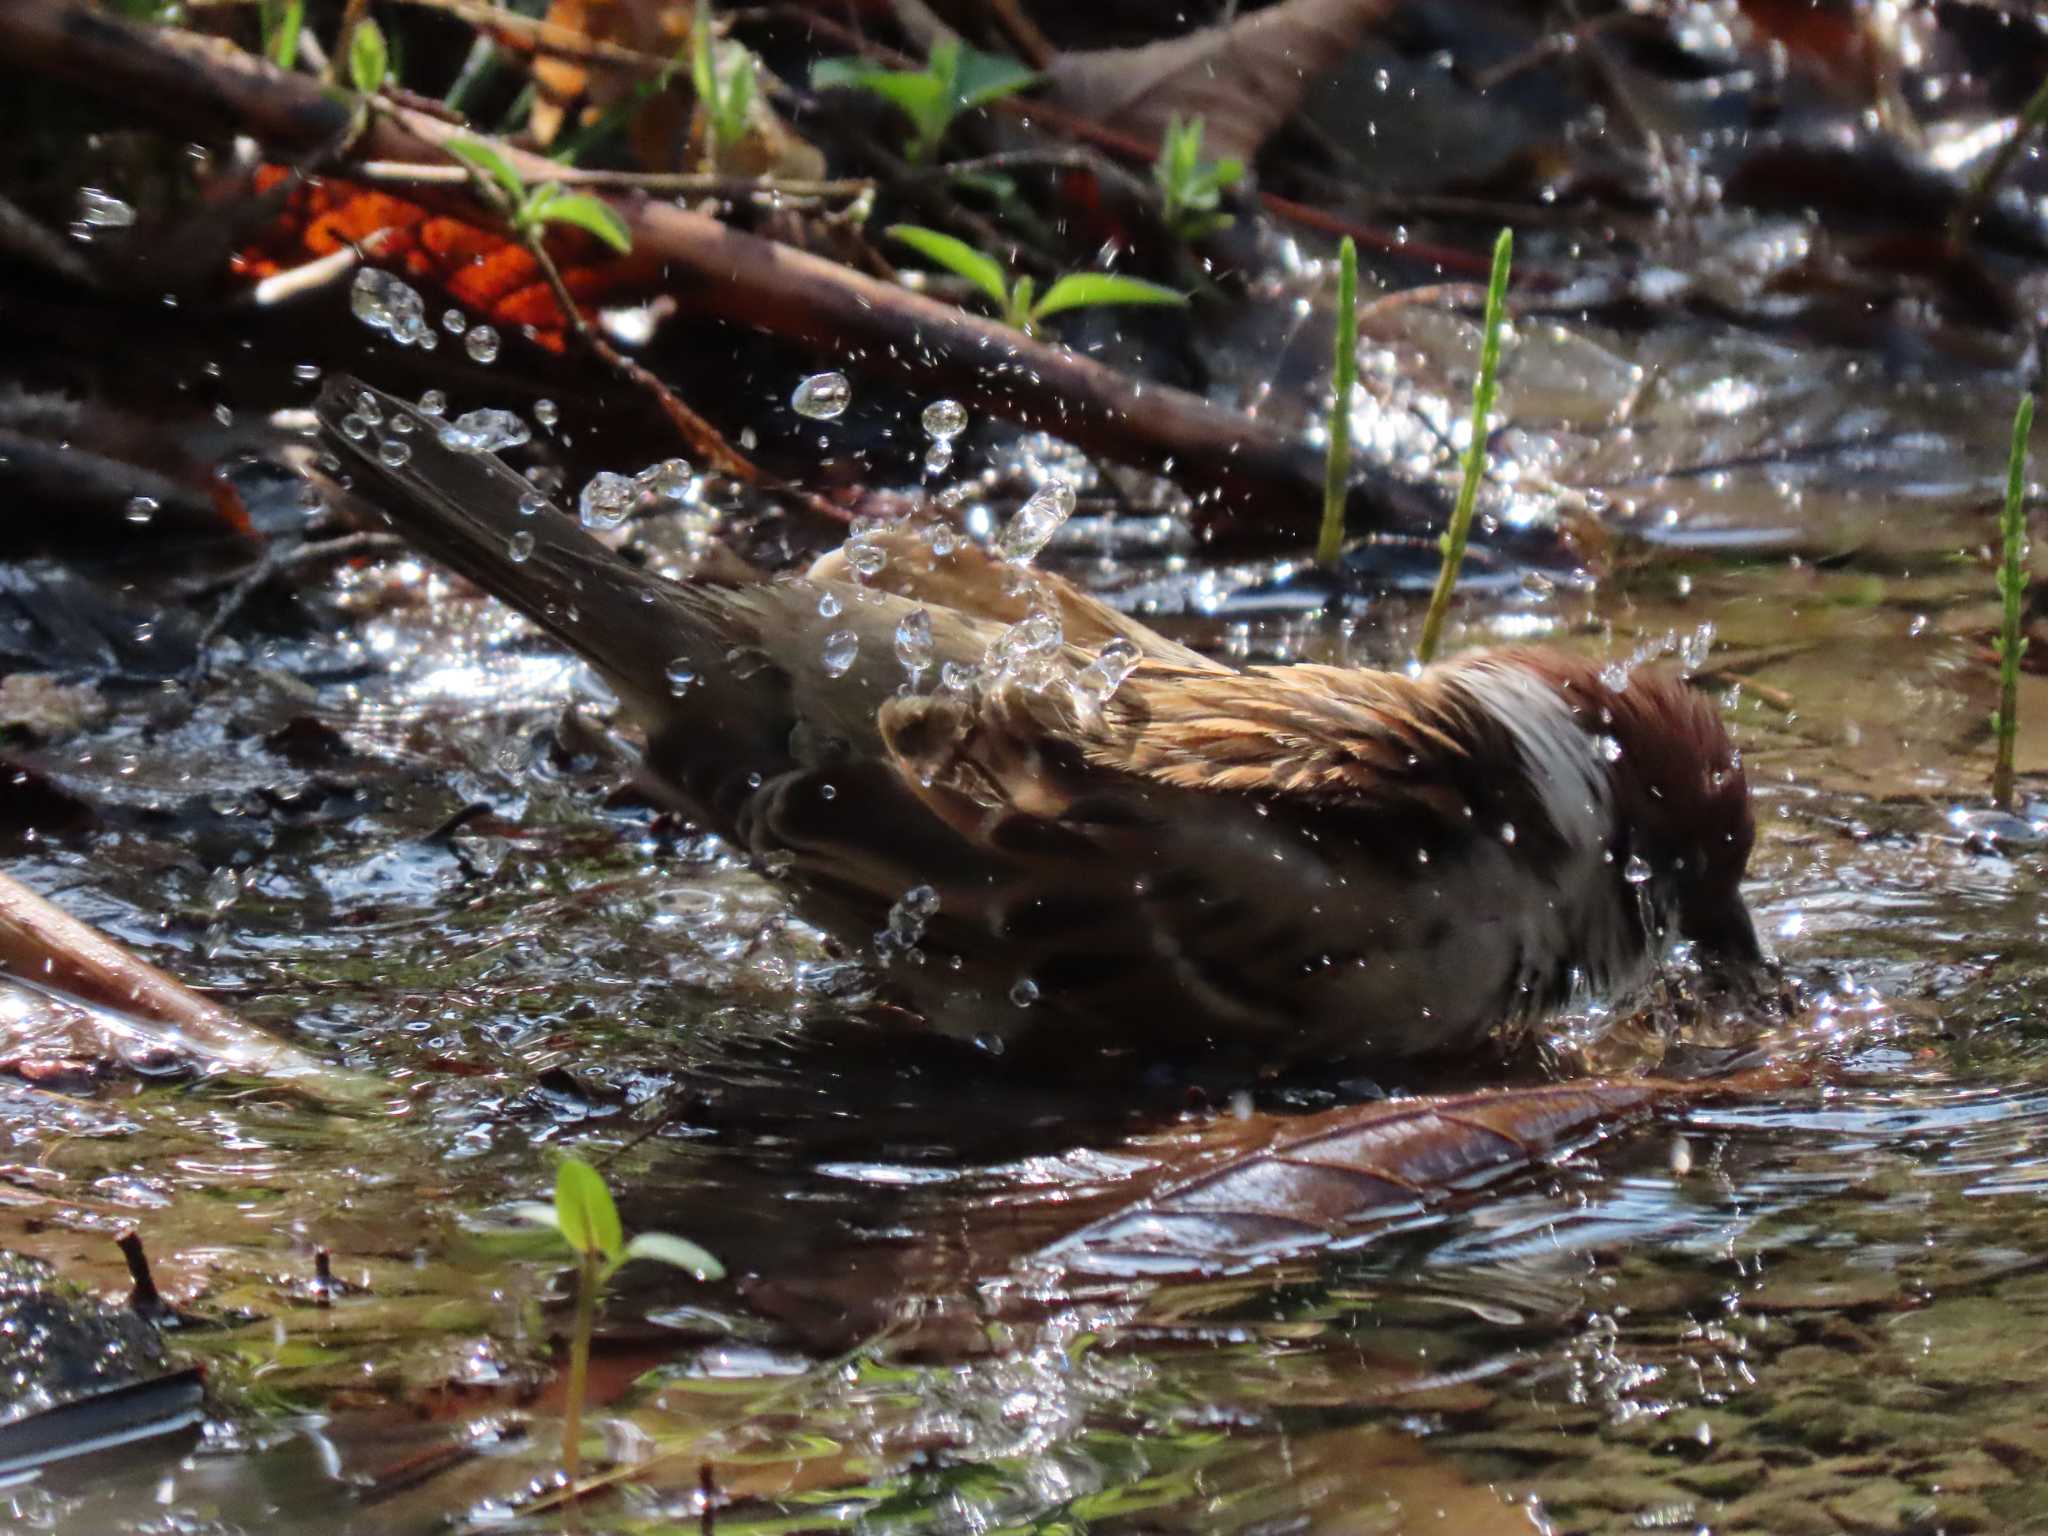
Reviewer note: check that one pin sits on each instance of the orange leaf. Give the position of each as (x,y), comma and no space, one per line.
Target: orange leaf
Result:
(484,271)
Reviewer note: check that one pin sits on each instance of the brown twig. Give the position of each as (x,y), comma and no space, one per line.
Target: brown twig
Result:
(46,946)
(675,184)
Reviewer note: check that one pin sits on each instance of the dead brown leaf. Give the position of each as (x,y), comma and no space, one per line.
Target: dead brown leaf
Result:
(1245,79)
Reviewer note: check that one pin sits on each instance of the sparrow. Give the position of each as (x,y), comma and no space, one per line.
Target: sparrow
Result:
(1068,837)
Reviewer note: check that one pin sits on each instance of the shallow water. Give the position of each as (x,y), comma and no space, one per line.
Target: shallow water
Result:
(1814,1308)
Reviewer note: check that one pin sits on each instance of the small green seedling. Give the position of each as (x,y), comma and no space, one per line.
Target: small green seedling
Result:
(587,1221)
(1337,452)
(1484,388)
(1017,300)
(2012,586)
(281,21)
(726,98)
(528,208)
(369,57)
(955,79)
(1190,187)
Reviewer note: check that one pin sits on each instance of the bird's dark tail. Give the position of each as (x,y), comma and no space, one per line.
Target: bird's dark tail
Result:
(472,513)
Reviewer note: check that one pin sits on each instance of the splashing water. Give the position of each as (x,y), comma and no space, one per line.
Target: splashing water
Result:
(1094,684)
(842,647)
(944,419)
(1035,523)
(606,501)
(914,643)
(485,431)
(822,396)
(391,305)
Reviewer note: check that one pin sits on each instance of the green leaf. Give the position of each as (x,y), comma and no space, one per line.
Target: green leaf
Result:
(921,98)
(282,21)
(677,1252)
(980,78)
(369,60)
(702,79)
(1088,290)
(584,1210)
(739,97)
(593,214)
(993,184)
(841,74)
(1018,310)
(956,256)
(491,163)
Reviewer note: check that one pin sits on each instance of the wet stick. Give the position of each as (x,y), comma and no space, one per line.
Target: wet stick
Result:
(1483,389)
(2012,580)
(1337,457)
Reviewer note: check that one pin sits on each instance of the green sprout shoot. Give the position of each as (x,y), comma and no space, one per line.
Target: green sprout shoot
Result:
(1191,188)
(587,1221)
(1337,455)
(725,98)
(2012,582)
(1484,389)
(1017,299)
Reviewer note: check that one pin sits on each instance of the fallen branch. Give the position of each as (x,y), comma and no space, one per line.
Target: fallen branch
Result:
(47,947)
(1241,466)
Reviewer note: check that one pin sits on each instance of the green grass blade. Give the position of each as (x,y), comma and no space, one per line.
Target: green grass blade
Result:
(1483,392)
(1337,454)
(2012,584)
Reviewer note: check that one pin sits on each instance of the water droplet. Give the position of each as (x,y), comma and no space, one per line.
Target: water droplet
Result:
(1034,524)
(1024,993)
(405,425)
(866,559)
(606,500)
(938,458)
(945,419)
(1610,749)
(485,431)
(914,641)
(481,344)
(670,479)
(370,408)
(822,396)
(1094,683)
(841,647)
(140,509)
(389,304)
(1507,833)
(433,403)
(682,676)
(829,606)
(1636,871)
(546,412)
(911,913)
(454,322)
(102,210)
(530,504)
(392,452)
(307,373)
(519,548)
(354,428)
(956,676)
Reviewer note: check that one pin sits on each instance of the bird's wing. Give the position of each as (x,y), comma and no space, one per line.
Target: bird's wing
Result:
(974,582)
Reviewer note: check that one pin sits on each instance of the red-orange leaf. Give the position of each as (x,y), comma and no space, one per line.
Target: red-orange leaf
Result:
(486,273)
